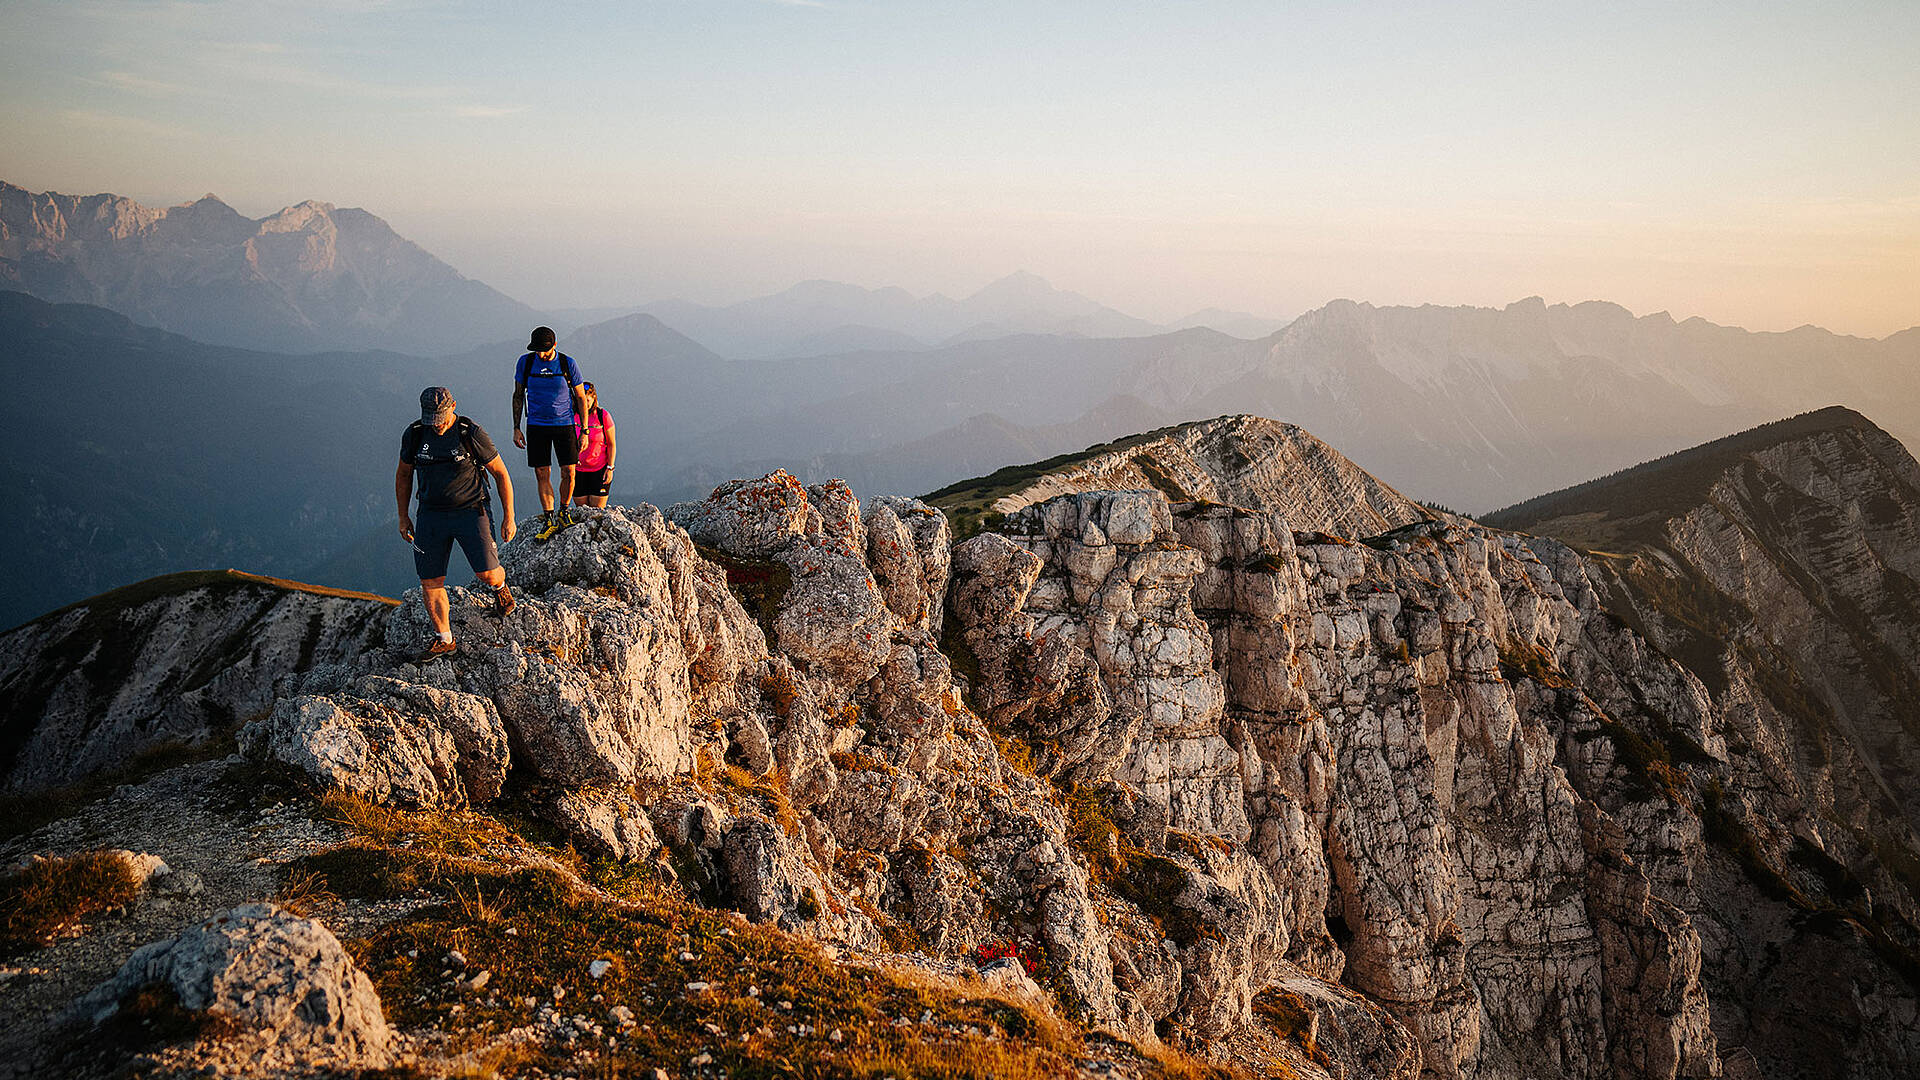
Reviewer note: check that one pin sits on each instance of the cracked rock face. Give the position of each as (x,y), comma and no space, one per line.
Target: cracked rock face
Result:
(279,983)
(390,741)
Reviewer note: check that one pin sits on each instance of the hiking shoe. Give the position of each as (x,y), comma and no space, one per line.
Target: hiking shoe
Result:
(556,520)
(503,596)
(440,648)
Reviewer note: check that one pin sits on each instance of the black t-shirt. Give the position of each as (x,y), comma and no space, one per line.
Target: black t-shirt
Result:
(451,466)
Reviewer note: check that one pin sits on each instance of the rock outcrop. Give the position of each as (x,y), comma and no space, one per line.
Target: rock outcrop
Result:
(1779,566)
(170,661)
(1424,801)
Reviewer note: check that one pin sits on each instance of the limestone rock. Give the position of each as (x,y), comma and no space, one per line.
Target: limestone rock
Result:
(609,824)
(753,519)
(390,741)
(284,982)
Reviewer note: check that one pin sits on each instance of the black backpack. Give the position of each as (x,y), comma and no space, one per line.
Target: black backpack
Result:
(464,427)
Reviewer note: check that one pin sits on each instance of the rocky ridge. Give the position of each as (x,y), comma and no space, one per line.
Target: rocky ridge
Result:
(99,683)
(1247,461)
(1425,795)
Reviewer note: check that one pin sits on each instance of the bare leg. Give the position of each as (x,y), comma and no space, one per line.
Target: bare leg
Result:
(597,500)
(493,578)
(434,590)
(543,477)
(566,486)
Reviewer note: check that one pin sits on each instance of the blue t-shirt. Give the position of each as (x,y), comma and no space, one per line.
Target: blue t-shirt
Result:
(549,385)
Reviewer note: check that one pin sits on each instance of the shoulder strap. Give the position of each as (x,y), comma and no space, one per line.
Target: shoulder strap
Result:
(465,427)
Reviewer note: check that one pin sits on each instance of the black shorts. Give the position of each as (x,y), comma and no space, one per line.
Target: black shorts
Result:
(591,485)
(436,531)
(562,440)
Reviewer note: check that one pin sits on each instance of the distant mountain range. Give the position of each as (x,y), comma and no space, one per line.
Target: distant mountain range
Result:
(816,318)
(309,278)
(315,277)
(195,455)
(199,451)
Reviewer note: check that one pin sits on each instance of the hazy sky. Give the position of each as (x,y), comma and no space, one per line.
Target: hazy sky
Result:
(1753,163)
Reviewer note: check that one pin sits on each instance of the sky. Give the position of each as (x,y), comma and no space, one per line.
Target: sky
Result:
(1756,164)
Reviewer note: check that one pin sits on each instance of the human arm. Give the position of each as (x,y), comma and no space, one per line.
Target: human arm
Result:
(498,470)
(608,421)
(519,406)
(402,492)
(579,395)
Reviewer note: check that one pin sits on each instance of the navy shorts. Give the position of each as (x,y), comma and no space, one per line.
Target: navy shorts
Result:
(436,531)
(548,441)
(590,485)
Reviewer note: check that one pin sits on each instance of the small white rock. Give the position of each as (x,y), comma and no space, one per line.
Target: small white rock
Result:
(697,987)
(599,968)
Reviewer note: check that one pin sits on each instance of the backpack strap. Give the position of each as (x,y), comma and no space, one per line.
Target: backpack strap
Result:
(464,426)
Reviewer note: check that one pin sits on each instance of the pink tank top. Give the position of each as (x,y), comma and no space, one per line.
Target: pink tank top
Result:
(593,451)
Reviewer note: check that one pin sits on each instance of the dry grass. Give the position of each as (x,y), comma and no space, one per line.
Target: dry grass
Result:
(445,832)
(536,930)
(50,898)
(772,1001)
(305,894)
(772,791)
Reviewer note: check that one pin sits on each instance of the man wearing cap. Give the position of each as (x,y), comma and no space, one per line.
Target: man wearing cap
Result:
(546,385)
(450,453)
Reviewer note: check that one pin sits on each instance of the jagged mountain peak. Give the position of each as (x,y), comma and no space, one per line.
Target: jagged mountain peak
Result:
(310,276)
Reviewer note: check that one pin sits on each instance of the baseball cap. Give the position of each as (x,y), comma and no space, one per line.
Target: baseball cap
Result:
(541,340)
(435,400)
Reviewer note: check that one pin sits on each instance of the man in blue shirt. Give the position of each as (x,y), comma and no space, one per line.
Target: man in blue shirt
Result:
(546,386)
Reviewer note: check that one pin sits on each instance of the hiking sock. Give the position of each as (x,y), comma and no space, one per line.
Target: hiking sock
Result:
(446,635)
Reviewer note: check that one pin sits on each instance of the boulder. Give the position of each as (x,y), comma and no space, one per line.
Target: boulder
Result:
(283,985)
(390,741)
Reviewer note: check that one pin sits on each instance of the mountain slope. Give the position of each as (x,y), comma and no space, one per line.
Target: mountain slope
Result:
(309,278)
(1237,460)
(1791,551)
(171,661)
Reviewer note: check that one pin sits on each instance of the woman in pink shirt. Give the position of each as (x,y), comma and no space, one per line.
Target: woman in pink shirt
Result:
(595,472)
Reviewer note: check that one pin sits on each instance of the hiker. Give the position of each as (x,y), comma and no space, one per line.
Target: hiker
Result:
(595,473)
(546,386)
(450,453)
